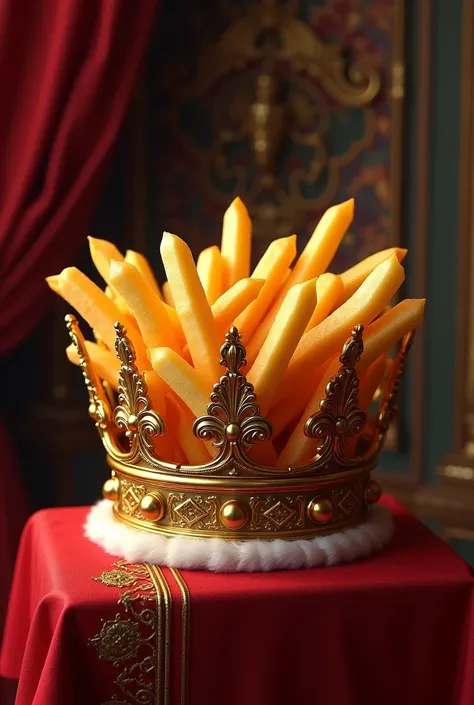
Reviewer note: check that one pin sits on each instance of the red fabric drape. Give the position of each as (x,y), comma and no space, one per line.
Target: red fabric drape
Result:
(67,69)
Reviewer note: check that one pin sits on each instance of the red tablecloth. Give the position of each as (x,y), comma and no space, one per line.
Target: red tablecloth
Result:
(393,629)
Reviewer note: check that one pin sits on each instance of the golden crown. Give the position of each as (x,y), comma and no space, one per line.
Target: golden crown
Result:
(233,497)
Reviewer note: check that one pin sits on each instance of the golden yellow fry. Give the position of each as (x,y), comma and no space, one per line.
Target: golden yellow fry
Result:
(272,268)
(156,390)
(183,379)
(210,269)
(282,340)
(236,243)
(327,338)
(315,258)
(192,307)
(97,310)
(233,301)
(102,251)
(195,450)
(329,293)
(176,324)
(299,449)
(53,283)
(166,292)
(141,263)
(145,304)
(352,278)
(387,330)
(106,364)
(288,409)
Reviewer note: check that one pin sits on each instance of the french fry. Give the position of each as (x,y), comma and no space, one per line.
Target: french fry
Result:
(314,259)
(145,304)
(282,340)
(166,293)
(53,283)
(378,338)
(272,268)
(97,310)
(236,243)
(194,449)
(264,453)
(141,263)
(329,293)
(157,389)
(106,365)
(352,278)
(387,330)
(176,454)
(210,269)
(102,251)
(369,381)
(175,324)
(324,340)
(192,307)
(233,301)
(286,411)
(183,379)
(299,449)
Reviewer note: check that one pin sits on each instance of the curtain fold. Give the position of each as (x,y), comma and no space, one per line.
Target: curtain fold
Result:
(67,71)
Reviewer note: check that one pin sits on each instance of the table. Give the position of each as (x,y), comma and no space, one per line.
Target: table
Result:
(394,628)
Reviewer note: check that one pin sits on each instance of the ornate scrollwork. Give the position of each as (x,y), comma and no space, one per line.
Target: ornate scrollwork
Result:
(233,417)
(133,413)
(99,408)
(388,408)
(339,417)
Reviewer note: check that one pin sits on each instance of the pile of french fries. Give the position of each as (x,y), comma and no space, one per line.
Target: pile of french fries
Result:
(293,315)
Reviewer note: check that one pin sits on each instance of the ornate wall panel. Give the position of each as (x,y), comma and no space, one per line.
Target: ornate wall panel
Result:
(291,106)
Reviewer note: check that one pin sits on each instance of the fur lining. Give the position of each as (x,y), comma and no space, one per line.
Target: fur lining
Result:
(224,556)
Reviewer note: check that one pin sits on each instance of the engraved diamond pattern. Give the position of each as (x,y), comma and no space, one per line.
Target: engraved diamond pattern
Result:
(190,512)
(348,502)
(279,514)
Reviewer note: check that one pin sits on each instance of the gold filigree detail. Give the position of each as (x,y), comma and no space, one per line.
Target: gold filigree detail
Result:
(274,514)
(99,408)
(116,578)
(388,408)
(339,417)
(133,413)
(131,494)
(129,640)
(233,418)
(118,640)
(194,511)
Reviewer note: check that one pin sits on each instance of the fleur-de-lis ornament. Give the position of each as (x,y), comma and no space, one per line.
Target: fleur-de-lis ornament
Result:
(233,418)
(339,417)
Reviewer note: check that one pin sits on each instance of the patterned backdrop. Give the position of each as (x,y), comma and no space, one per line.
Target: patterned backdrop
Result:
(327,139)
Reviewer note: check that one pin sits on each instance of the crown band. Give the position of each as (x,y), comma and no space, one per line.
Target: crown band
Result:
(255,509)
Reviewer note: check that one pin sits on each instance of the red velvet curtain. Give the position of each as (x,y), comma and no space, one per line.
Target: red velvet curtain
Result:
(67,70)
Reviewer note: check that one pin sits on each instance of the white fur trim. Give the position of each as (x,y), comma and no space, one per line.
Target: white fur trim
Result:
(224,556)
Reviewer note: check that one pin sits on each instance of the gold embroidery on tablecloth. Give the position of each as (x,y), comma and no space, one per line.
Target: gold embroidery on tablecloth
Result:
(129,640)
(138,640)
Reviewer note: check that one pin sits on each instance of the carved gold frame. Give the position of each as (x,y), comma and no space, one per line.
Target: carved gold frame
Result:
(459,465)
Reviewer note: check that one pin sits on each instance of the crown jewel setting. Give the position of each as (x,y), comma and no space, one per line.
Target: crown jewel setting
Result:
(232,496)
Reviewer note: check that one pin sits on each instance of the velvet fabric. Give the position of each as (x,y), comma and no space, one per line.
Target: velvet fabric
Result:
(393,628)
(67,70)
